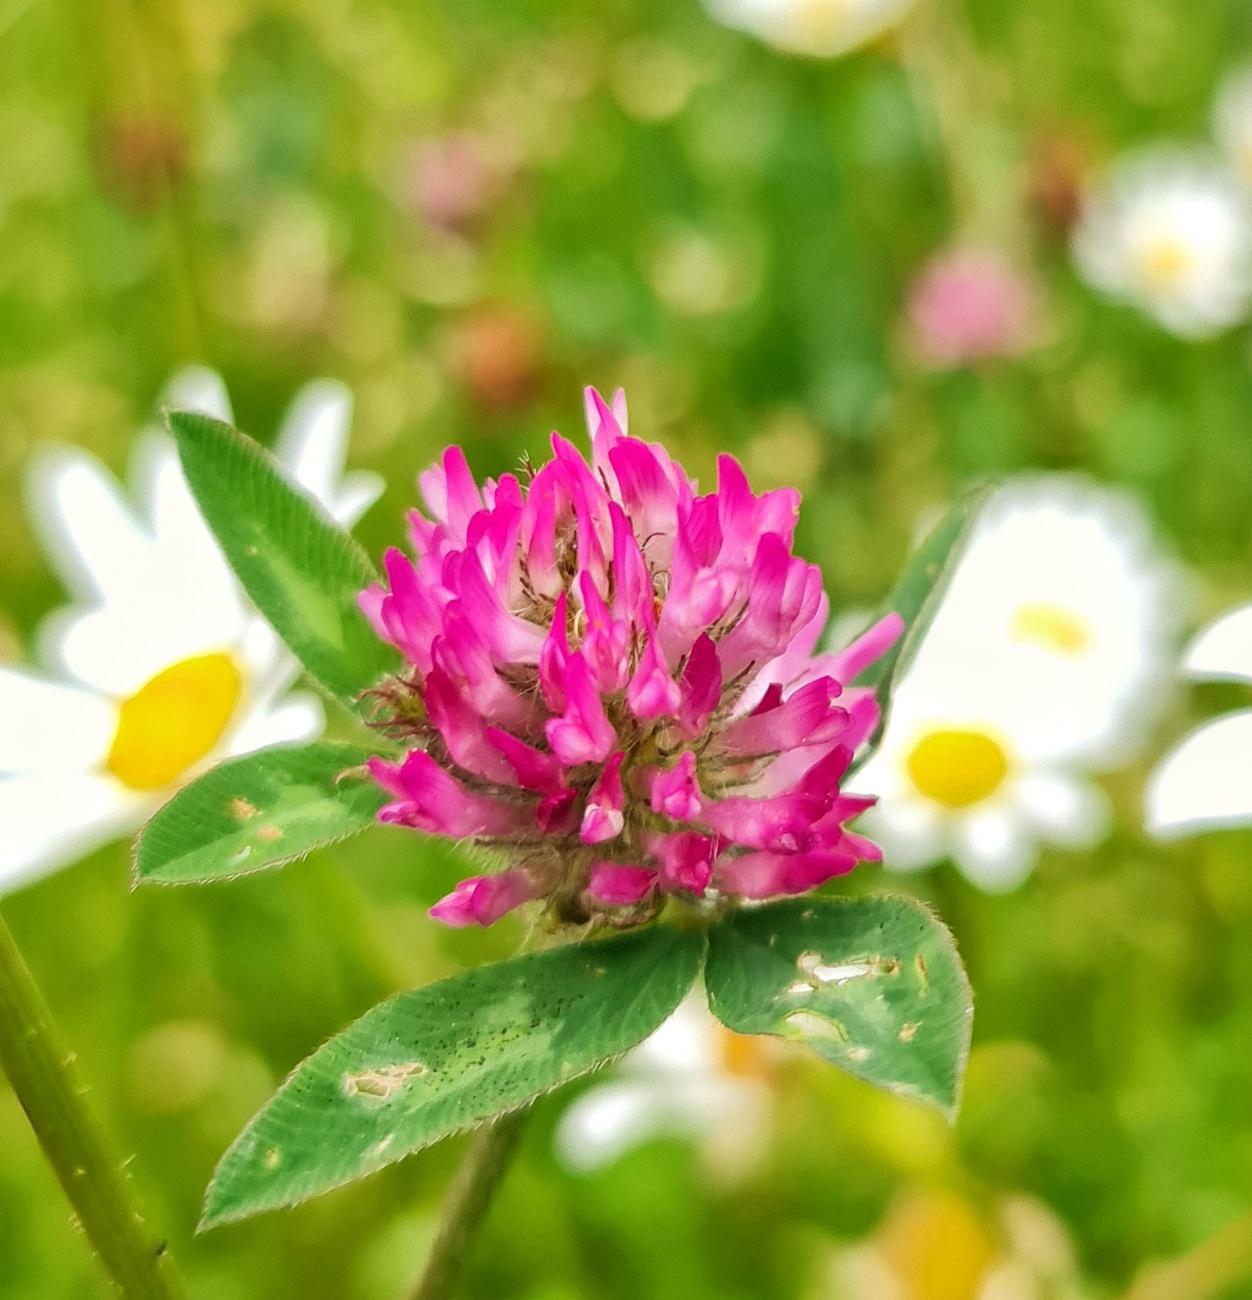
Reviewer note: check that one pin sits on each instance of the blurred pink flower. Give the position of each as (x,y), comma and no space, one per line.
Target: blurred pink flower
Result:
(970,305)
(613,681)
(452,179)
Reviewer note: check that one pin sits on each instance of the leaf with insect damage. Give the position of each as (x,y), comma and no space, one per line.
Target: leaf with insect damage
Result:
(429,1062)
(872,984)
(916,598)
(258,811)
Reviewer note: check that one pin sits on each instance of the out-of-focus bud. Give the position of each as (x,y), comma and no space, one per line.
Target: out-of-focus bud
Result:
(452,180)
(1057,166)
(496,353)
(141,158)
(970,305)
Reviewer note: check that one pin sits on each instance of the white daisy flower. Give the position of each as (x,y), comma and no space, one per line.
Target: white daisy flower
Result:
(1169,232)
(692,1078)
(958,776)
(1232,121)
(1205,781)
(1047,661)
(818,28)
(1068,614)
(160,667)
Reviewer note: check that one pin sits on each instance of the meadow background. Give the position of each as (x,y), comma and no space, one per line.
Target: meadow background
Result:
(654,201)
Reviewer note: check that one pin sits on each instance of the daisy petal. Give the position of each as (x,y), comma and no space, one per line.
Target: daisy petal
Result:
(88,528)
(50,727)
(1204,782)
(612,1118)
(313,445)
(604,1123)
(993,851)
(685,1044)
(298,718)
(197,388)
(124,644)
(1070,812)
(354,496)
(909,832)
(1224,649)
(187,552)
(51,820)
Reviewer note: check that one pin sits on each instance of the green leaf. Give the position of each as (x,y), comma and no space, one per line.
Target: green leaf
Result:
(258,811)
(923,583)
(427,1063)
(872,984)
(916,597)
(303,571)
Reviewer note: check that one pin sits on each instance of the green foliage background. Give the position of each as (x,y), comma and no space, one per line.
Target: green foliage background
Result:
(730,234)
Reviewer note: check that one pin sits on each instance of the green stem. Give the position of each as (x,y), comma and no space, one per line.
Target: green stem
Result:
(981,156)
(47,1085)
(469,1197)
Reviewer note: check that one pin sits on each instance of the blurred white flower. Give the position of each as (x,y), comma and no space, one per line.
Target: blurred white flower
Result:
(1169,232)
(692,1078)
(1205,781)
(160,666)
(1232,121)
(935,1245)
(818,28)
(1047,661)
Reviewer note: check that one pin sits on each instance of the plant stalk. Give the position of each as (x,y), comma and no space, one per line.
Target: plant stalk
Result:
(491,1150)
(43,1076)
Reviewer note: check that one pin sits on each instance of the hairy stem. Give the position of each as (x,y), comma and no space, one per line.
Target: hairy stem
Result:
(46,1083)
(469,1197)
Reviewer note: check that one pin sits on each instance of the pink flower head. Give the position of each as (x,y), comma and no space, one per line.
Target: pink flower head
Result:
(968,306)
(612,681)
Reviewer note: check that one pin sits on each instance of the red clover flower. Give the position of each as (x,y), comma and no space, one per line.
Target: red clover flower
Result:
(613,681)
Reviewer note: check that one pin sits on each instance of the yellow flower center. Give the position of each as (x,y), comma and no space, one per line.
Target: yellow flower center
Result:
(937,1247)
(819,20)
(1051,627)
(1164,261)
(745,1055)
(957,768)
(173,721)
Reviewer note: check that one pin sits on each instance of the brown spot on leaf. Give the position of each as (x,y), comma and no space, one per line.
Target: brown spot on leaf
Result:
(381,1084)
(241,809)
(269,834)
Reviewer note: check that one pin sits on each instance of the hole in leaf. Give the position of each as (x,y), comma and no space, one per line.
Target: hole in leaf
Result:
(814,966)
(812,1025)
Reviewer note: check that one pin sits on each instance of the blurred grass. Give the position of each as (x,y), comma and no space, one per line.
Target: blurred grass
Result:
(730,234)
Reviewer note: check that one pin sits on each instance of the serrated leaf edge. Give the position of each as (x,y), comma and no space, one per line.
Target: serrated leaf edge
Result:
(208,1221)
(138,880)
(949,1112)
